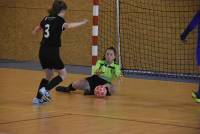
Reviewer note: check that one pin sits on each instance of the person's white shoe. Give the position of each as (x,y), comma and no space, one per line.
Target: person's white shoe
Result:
(38,101)
(45,94)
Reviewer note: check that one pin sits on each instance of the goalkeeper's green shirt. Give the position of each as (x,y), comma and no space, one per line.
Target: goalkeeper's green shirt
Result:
(109,71)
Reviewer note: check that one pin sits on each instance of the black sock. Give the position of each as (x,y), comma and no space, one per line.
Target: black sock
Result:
(71,88)
(43,83)
(54,82)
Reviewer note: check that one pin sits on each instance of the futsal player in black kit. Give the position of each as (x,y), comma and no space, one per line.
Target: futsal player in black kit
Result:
(49,54)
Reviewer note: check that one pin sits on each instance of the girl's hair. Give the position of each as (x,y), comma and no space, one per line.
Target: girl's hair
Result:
(115,53)
(57,7)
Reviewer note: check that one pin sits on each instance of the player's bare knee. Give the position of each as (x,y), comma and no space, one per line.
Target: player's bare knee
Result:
(87,85)
(49,77)
(49,74)
(62,73)
(76,84)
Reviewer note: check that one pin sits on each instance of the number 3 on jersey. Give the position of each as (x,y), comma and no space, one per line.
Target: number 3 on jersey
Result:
(46,32)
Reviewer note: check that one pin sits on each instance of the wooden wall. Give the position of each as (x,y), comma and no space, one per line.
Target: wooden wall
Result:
(20,17)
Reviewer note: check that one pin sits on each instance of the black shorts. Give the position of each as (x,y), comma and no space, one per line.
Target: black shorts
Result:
(95,81)
(50,58)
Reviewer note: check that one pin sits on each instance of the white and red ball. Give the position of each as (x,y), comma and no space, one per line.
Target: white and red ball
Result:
(100,91)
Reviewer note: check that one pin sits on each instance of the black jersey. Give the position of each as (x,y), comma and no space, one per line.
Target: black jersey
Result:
(52,29)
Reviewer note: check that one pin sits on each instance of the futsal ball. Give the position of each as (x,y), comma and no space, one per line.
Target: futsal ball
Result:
(100,91)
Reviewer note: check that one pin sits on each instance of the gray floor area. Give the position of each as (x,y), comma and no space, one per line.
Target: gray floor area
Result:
(29,65)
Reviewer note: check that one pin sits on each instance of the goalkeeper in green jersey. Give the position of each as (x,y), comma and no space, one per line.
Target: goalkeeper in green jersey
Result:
(105,71)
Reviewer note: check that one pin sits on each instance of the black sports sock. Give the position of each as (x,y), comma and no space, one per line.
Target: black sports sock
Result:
(70,87)
(54,82)
(43,83)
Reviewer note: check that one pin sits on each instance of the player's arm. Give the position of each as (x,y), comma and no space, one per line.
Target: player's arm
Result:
(69,25)
(191,25)
(112,88)
(36,29)
(118,72)
(96,69)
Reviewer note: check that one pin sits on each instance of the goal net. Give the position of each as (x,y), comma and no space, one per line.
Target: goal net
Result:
(147,36)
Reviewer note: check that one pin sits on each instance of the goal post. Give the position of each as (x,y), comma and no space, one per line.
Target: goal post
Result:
(95,31)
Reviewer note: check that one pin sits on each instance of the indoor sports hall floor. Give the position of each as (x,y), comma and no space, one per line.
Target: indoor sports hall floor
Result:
(139,106)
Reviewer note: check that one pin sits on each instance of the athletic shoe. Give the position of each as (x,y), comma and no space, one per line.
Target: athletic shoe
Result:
(39,101)
(63,89)
(45,94)
(196,97)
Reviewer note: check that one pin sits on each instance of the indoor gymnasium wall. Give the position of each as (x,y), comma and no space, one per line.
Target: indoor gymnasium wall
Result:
(20,17)
(8,29)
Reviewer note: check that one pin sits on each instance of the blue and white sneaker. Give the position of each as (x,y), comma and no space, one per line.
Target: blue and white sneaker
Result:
(39,101)
(45,94)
